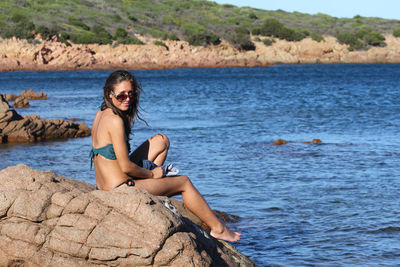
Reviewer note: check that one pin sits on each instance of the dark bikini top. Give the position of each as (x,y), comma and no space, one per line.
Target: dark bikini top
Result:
(106,151)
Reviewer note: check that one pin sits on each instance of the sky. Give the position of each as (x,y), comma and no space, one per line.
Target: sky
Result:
(387,9)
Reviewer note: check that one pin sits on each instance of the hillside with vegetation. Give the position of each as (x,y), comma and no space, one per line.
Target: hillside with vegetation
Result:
(200,22)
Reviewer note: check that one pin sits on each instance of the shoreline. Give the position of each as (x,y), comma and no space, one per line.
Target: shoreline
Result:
(50,55)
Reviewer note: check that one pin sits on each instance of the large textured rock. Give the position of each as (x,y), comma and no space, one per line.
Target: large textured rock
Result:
(50,220)
(15,128)
(21,102)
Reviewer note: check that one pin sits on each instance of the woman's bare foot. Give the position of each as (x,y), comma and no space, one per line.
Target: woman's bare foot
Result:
(226,235)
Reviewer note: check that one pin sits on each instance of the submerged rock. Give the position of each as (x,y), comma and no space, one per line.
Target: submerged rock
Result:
(279,142)
(50,220)
(314,141)
(15,128)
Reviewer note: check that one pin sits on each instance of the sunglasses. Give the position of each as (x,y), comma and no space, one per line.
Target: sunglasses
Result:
(121,97)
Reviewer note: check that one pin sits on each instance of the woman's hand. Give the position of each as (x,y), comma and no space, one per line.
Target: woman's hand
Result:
(158,173)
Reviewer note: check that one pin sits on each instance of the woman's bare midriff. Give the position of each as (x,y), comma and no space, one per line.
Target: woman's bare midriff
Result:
(108,173)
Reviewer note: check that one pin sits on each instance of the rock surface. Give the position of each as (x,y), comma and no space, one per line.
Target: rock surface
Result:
(26,94)
(50,220)
(32,95)
(21,102)
(15,128)
(18,54)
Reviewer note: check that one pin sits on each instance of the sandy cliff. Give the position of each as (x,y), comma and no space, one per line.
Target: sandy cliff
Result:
(18,54)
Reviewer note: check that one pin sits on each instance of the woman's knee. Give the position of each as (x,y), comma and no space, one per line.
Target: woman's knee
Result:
(185,181)
(160,140)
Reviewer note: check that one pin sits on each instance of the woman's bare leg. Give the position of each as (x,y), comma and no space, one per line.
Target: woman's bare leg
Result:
(154,149)
(193,200)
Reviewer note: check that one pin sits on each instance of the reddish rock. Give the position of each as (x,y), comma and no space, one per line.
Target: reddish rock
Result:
(21,102)
(23,129)
(32,95)
(52,55)
(50,220)
(10,97)
(314,141)
(279,142)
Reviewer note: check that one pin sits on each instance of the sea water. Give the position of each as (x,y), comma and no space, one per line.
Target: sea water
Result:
(329,204)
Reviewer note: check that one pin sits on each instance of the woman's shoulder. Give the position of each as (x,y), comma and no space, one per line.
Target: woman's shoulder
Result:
(110,118)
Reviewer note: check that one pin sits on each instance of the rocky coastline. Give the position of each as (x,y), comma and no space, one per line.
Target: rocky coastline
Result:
(42,55)
(50,220)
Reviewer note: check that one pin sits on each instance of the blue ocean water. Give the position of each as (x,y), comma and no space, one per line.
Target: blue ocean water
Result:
(330,204)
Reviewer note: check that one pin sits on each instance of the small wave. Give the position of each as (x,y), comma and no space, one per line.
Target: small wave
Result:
(389,229)
(271,209)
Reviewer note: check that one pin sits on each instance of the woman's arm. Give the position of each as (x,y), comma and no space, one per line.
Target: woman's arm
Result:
(117,134)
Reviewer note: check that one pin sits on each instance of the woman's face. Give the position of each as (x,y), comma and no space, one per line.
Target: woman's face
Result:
(123,95)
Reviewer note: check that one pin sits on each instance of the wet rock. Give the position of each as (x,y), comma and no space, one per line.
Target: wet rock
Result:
(21,102)
(314,141)
(15,128)
(279,142)
(50,220)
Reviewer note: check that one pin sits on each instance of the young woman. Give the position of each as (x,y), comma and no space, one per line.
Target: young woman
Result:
(114,166)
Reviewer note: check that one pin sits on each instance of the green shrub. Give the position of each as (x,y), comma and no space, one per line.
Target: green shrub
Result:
(271,27)
(47,33)
(83,37)
(252,16)
(316,37)
(361,33)
(173,37)
(290,34)
(132,18)
(160,43)
(129,40)
(78,23)
(120,33)
(268,41)
(102,35)
(350,39)
(396,32)
(305,32)
(241,39)
(22,30)
(116,18)
(63,37)
(374,39)
(256,31)
(204,39)
(18,17)
(192,28)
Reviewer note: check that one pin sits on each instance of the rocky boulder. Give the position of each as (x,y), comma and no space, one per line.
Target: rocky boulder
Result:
(32,95)
(26,94)
(21,102)
(15,128)
(10,97)
(50,220)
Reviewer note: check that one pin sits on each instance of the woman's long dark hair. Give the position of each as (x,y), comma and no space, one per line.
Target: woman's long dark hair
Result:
(128,116)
